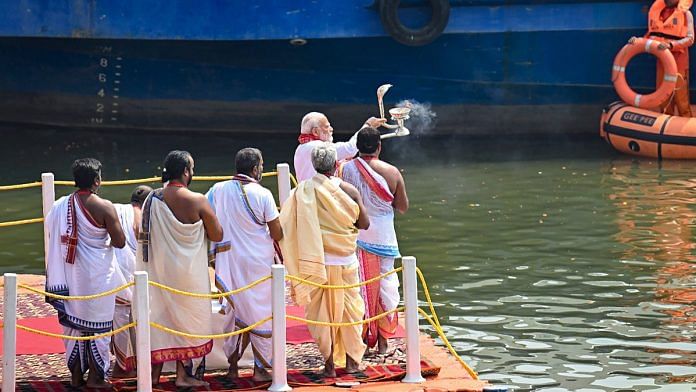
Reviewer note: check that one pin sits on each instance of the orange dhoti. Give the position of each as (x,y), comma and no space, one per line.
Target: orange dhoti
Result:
(380,296)
(680,98)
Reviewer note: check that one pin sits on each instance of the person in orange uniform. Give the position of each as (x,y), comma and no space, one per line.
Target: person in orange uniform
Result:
(671,22)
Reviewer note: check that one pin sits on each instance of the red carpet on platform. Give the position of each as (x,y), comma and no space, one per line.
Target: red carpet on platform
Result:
(218,382)
(30,343)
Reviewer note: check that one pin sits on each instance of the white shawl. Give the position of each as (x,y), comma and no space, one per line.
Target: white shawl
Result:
(91,272)
(177,257)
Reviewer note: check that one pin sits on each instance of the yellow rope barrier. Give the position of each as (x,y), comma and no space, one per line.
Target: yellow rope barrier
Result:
(293,180)
(211,296)
(224,178)
(21,222)
(55,335)
(435,322)
(214,336)
(107,183)
(348,286)
(441,333)
(76,297)
(350,324)
(20,186)
(36,184)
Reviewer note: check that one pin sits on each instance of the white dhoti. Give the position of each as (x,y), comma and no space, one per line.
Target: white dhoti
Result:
(244,256)
(175,254)
(81,262)
(124,342)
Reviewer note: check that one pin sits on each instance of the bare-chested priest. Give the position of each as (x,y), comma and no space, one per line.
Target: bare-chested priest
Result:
(173,250)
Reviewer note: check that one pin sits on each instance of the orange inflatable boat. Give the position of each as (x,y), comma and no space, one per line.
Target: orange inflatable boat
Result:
(636,127)
(648,133)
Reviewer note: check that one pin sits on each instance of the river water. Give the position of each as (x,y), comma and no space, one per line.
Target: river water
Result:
(555,264)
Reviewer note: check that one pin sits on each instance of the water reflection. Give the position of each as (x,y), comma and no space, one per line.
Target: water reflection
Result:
(655,217)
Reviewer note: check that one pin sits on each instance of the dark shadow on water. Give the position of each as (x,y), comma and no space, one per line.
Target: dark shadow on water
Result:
(129,154)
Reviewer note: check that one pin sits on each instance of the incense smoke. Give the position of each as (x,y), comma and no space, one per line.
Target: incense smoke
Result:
(422,119)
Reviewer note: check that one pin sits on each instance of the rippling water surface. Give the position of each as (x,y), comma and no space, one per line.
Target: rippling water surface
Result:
(555,264)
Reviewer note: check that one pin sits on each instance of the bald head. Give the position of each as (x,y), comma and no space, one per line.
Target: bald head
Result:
(140,194)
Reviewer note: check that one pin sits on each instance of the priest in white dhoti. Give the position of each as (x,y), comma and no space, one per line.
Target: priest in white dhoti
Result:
(320,223)
(82,231)
(123,344)
(383,191)
(173,250)
(249,217)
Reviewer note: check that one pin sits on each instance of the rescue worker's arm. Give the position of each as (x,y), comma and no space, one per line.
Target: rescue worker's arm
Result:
(689,39)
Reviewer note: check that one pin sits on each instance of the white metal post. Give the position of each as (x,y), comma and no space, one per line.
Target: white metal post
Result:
(413,368)
(141,310)
(283,170)
(48,196)
(9,331)
(280,366)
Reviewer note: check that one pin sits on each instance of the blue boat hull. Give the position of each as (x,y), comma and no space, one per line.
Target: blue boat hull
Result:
(541,76)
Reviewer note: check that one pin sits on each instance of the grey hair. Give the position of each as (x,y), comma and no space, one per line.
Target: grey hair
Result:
(310,120)
(324,158)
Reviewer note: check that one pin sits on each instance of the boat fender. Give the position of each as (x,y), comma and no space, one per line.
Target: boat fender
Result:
(618,74)
(389,13)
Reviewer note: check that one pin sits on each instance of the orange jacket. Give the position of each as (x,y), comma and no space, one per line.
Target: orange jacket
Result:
(677,29)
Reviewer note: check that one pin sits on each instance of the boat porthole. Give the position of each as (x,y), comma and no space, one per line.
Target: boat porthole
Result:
(634,146)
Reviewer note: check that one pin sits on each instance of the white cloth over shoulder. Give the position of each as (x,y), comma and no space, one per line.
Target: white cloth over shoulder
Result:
(304,170)
(245,255)
(177,257)
(92,271)
(81,261)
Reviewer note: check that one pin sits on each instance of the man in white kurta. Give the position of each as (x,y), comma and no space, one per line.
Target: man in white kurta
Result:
(124,343)
(246,210)
(315,130)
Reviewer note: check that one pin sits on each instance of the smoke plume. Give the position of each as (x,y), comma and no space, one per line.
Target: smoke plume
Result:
(422,119)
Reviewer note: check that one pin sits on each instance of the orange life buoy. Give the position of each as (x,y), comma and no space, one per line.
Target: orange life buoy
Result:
(618,74)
